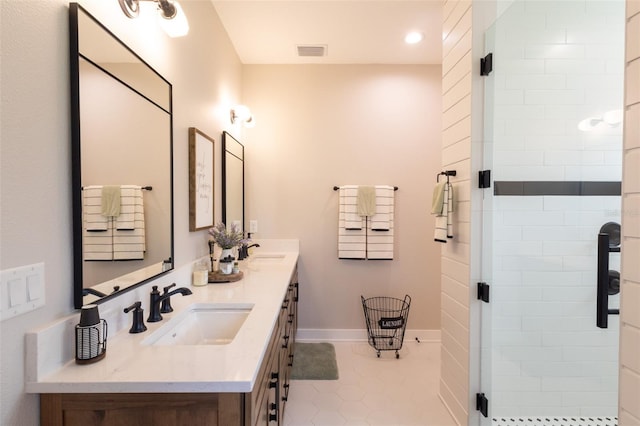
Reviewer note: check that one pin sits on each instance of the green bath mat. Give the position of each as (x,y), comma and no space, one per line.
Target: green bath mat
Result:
(314,361)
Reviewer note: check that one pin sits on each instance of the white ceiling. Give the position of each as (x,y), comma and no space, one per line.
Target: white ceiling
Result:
(354,31)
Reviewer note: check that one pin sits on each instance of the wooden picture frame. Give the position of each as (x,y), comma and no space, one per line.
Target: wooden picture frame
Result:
(201,189)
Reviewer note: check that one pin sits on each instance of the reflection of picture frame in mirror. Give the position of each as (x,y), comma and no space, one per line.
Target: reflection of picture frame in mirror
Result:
(200,180)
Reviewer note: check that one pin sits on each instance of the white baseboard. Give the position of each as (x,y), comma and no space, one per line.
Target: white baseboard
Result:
(358,335)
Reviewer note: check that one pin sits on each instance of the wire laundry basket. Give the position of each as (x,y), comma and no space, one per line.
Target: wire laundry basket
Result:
(386,319)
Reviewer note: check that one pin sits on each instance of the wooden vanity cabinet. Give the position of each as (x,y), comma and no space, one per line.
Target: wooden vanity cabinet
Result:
(264,406)
(273,390)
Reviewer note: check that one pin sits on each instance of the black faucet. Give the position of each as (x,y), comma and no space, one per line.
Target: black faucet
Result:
(87,291)
(165,308)
(243,250)
(156,298)
(137,326)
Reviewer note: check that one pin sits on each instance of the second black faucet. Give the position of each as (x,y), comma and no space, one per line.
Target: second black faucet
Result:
(157,298)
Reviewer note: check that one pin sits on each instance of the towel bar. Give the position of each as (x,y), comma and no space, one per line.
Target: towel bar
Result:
(335,188)
(446,173)
(144,188)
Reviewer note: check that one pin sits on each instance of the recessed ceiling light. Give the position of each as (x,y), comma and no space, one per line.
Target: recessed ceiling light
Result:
(414,37)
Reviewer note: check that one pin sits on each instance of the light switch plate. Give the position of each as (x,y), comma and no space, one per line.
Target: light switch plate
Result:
(253,226)
(21,290)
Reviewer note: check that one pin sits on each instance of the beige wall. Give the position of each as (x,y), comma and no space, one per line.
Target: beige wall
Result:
(320,126)
(456,255)
(35,171)
(629,398)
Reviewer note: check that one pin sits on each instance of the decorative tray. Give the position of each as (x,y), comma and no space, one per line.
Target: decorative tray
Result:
(217,277)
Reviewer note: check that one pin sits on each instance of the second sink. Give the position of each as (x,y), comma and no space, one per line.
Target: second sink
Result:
(202,324)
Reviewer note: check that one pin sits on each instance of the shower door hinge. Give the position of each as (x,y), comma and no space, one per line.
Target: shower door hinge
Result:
(483,292)
(482,404)
(486,64)
(484,179)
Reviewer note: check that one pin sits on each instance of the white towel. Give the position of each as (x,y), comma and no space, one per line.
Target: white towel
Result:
(92,209)
(380,226)
(96,228)
(131,207)
(98,245)
(444,219)
(129,233)
(352,232)
(381,221)
(349,207)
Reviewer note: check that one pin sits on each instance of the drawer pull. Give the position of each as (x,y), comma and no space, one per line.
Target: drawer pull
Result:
(273,383)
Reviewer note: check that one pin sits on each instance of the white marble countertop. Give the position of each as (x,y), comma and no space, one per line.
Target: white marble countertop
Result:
(130,366)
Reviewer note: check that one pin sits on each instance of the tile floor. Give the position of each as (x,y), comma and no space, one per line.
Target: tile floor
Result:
(555,421)
(373,391)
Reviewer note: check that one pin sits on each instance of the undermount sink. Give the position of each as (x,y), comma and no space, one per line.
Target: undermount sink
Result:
(202,324)
(267,258)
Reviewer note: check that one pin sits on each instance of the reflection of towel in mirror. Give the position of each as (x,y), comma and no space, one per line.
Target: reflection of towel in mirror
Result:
(98,245)
(111,200)
(129,235)
(444,218)
(352,242)
(93,219)
(96,229)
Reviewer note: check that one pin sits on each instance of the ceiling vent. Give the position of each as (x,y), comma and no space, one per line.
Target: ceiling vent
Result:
(312,50)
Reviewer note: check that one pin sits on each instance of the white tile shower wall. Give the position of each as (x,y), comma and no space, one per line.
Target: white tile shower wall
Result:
(545,338)
(555,64)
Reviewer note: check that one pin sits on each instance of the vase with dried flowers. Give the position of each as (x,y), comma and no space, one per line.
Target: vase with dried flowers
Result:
(227,238)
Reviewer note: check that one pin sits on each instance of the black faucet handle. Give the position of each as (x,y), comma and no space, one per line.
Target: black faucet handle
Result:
(166,307)
(137,326)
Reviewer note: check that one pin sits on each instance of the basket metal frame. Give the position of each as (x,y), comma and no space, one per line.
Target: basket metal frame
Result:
(386,319)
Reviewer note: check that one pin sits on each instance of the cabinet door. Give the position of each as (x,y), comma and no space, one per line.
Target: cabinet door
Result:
(268,408)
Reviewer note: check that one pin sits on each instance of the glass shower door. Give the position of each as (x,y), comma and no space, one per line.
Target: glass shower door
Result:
(554,144)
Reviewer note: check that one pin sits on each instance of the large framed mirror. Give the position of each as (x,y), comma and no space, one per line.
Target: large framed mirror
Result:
(122,165)
(232,181)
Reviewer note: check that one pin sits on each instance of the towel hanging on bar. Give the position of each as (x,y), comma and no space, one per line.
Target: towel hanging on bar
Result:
(352,233)
(442,207)
(364,237)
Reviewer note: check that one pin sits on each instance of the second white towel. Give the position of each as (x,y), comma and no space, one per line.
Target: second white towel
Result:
(352,233)
(380,225)
(444,218)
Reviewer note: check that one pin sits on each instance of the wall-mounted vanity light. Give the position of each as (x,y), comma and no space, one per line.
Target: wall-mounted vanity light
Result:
(170,15)
(611,118)
(242,114)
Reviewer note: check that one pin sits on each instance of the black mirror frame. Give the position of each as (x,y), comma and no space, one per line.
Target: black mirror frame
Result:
(76,171)
(225,136)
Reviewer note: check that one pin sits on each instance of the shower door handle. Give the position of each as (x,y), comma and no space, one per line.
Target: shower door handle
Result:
(602,302)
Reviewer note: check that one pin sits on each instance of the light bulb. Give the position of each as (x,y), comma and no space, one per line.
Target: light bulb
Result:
(177,26)
(414,37)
